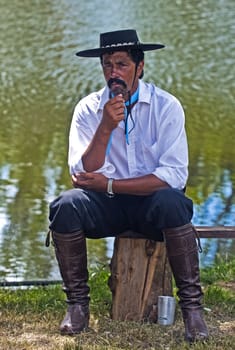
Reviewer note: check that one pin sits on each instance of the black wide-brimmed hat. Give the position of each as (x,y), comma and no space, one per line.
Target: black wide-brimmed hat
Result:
(117,41)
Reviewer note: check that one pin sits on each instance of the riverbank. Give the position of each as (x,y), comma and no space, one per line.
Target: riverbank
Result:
(30,318)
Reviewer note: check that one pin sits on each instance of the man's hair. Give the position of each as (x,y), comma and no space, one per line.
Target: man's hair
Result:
(137,55)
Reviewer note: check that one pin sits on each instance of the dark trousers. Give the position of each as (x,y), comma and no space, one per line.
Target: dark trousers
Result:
(99,216)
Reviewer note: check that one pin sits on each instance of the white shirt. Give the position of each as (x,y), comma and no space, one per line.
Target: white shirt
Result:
(157,143)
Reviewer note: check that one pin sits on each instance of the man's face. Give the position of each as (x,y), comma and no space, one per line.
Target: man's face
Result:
(119,65)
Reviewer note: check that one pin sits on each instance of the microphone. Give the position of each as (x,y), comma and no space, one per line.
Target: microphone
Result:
(116,87)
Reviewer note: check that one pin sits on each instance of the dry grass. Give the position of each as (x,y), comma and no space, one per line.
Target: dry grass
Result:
(40,332)
(29,320)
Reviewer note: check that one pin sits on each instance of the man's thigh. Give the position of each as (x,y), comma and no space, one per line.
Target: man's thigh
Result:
(94,213)
(163,209)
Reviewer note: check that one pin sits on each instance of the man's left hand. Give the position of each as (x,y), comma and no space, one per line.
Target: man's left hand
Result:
(90,181)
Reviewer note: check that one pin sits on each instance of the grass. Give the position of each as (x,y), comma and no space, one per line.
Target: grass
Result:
(29,318)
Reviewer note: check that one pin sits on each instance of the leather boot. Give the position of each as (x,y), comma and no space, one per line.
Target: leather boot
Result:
(182,251)
(71,254)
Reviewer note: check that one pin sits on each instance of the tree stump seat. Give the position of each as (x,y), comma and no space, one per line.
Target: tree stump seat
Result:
(140,272)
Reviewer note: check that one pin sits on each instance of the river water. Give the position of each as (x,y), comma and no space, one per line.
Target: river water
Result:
(42,79)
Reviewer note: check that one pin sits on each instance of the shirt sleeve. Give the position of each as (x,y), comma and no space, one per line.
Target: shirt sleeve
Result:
(84,123)
(173,156)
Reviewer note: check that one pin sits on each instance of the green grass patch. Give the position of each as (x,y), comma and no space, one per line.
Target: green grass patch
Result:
(220,271)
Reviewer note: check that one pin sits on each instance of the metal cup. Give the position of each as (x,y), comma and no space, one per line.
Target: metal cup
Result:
(166,310)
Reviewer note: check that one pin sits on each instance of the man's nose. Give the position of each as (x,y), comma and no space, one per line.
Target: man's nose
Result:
(114,72)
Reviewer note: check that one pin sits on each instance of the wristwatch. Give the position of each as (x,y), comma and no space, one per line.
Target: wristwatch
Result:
(110,192)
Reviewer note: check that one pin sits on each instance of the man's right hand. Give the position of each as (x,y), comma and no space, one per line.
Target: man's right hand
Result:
(114,112)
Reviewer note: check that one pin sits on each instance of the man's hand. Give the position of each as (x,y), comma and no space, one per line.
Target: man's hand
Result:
(113,112)
(90,181)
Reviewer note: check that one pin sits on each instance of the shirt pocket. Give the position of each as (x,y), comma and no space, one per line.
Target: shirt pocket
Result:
(149,154)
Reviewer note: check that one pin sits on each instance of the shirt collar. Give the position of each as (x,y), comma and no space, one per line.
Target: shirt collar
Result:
(144,92)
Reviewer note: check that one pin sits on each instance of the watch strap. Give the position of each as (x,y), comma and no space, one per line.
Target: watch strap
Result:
(110,187)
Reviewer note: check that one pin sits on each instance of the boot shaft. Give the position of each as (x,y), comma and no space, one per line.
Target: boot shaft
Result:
(182,251)
(71,254)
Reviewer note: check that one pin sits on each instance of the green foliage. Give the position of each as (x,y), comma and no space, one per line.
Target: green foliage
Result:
(34,300)
(52,299)
(219,296)
(221,270)
(99,290)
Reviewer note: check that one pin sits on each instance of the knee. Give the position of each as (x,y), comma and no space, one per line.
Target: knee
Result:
(172,201)
(66,211)
(169,197)
(66,200)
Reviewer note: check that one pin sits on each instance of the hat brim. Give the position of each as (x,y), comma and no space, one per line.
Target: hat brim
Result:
(100,51)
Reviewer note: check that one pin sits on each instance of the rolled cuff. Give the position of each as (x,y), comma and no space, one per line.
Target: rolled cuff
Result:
(107,169)
(173,177)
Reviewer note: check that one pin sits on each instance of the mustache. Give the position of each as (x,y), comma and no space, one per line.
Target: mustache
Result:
(117,81)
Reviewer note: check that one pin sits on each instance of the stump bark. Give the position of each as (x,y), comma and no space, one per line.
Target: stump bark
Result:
(140,272)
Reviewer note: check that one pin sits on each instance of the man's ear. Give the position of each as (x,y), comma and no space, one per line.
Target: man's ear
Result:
(140,69)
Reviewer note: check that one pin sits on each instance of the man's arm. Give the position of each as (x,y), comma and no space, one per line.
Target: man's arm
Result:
(143,185)
(94,156)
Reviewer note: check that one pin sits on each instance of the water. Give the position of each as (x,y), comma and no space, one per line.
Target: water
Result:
(42,79)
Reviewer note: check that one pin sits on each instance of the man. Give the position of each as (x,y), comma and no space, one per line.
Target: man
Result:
(128,160)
